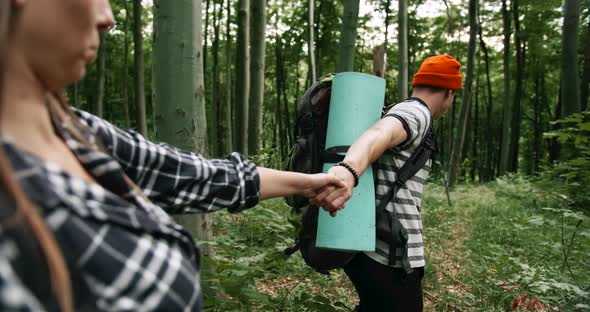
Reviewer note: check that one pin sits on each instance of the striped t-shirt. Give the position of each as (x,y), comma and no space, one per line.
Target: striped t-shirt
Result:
(416,118)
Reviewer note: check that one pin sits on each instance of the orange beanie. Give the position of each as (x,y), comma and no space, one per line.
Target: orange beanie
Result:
(439,71)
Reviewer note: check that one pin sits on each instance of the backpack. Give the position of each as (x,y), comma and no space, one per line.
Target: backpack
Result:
(308,156)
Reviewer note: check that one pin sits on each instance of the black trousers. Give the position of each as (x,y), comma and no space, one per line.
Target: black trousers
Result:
(385,289)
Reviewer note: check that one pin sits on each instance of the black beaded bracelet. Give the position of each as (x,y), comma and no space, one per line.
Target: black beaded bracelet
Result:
(354,173)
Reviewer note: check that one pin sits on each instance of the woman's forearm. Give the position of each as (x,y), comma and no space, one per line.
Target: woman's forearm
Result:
(275,183)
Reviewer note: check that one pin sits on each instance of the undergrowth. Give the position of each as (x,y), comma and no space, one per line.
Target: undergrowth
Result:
(503,245)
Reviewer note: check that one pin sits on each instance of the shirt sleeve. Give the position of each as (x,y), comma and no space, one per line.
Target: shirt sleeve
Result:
(415,118)
(177,180)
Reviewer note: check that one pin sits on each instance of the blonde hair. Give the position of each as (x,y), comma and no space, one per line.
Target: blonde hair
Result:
(25,211)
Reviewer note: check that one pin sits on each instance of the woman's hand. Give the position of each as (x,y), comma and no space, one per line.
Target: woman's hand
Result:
(276,183)
(332,198)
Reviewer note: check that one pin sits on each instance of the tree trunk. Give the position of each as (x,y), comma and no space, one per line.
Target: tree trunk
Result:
(554,147)
(387,20)
(537,123)
(258,40)
(586,75)
(215,121)
(462,126)
(125,73)
(379,61)
(570,100)
(490,138)
(139,68)
(318,38)
(348,36)
(226,134)
(242,78)
(178,88)
(311,42)
(506,116)
(516,115)
(206,46)
(403,49)
(278,131)
(475,163)
(100,75)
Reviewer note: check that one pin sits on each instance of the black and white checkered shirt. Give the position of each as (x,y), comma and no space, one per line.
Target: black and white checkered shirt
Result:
(124,252)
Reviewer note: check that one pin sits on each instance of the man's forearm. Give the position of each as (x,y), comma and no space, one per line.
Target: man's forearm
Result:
(385,134)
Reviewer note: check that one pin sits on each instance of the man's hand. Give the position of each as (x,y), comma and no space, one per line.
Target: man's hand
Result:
(332,198)
(319,183)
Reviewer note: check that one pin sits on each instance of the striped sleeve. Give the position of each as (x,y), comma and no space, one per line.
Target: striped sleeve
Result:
(415,118)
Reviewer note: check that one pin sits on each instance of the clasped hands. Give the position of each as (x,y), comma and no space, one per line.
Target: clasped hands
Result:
(337,190)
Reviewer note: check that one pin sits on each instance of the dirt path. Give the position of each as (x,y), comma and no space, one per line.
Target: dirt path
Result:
(445,248)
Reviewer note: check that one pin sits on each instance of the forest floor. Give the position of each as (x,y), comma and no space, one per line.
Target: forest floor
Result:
(502,246)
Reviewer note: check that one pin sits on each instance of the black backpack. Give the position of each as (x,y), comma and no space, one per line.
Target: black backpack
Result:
(308,156)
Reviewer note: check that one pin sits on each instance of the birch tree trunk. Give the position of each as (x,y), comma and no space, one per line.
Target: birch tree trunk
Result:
(125,73)
(506,115)
(216,109)
(242,78)
(570,90)
(179,90)
(311,42)
(462,126)
(139,69)
(227,134)
(403,49)
(256,102)
(516,115)
(348,36)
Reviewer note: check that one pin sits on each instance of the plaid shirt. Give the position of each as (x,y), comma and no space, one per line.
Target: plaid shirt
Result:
(123,250)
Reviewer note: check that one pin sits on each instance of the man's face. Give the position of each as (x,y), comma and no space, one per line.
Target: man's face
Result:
(448,98)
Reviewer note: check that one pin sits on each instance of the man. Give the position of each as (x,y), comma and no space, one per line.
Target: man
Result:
(384,285)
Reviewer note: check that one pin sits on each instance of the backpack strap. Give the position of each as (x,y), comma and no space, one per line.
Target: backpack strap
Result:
(334,154)
(423,152)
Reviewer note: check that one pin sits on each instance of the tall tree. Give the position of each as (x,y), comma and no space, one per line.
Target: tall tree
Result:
(520,48)
(139,68)
(348,36)
(178,87)
(242,78)
(403,49)
(379,61)
(570,92)
(206,43)
(125,71)
(506,115)
(226,133)
(459,141)
(311,41)
(101,75)
(489,169)
(215,118)
(257,36)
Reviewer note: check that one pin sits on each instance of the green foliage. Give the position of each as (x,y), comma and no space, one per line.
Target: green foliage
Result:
(572,175)
(497,242)
(514,245)
(250,273)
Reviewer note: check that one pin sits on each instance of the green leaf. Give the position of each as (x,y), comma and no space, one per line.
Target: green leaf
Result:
(537,220)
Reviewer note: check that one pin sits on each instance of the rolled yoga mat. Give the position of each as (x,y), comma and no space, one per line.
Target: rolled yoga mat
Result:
(355,105)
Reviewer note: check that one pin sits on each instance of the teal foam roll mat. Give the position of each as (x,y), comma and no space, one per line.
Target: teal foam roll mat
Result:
(355,105)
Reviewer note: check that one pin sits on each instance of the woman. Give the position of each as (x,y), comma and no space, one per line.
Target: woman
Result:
(89,201)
